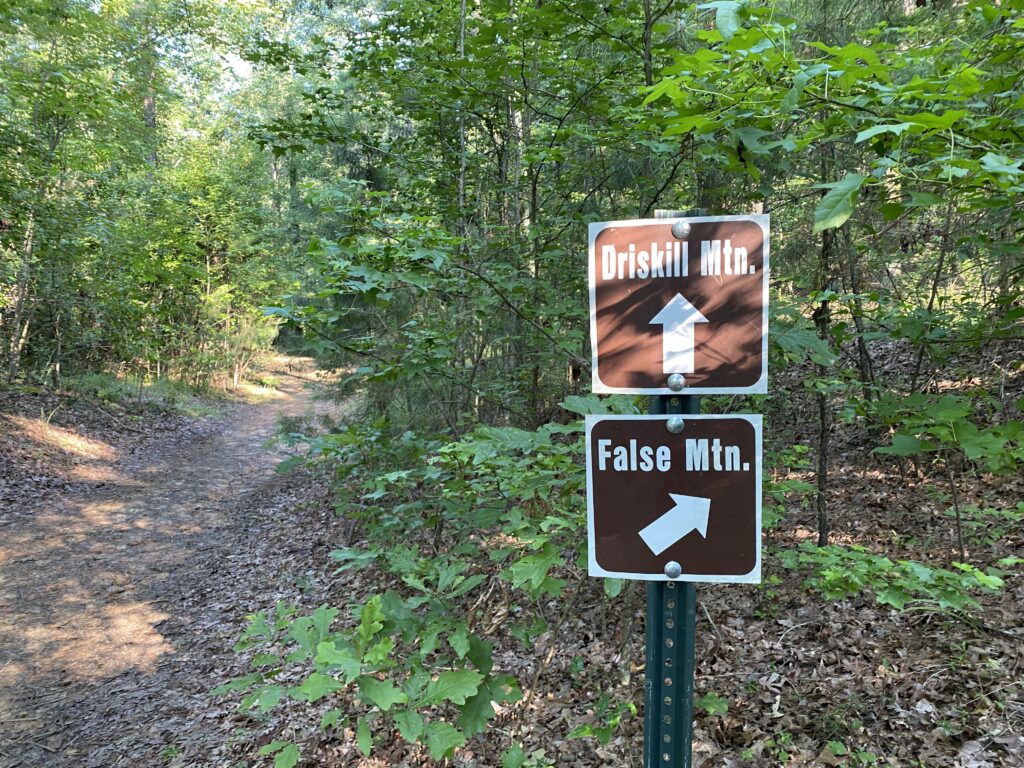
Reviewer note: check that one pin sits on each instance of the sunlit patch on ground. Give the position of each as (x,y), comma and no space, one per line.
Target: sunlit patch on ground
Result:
(96,645)
(50,436)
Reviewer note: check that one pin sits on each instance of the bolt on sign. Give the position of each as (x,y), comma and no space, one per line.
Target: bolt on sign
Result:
(674,498)
(685,297)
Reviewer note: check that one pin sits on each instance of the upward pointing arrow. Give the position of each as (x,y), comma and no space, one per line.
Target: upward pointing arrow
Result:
(690,513)
(677,319)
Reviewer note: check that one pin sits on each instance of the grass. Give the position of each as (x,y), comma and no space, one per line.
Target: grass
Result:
(163,394)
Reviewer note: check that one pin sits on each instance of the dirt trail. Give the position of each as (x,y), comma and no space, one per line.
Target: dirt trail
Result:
(115,602)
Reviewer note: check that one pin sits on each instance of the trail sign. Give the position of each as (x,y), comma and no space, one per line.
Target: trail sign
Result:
(685,296)
(690,500)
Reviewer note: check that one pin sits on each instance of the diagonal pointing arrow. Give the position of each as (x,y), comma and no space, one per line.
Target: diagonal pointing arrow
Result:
(677,319)
(690,513)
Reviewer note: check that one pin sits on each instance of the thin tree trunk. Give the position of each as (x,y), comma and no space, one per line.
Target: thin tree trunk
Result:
(149,111)
(293,200)
(865,365)
(821,321)
(463,225)
(59,351)
(19,324)
(275,196)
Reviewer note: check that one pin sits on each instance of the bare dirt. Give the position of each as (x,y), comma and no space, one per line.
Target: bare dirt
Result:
(127,565)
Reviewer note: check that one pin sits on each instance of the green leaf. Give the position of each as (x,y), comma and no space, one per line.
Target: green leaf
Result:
(240,684)
(287,753)
(532,571)
(924,199)
(585,404)
(371,620)
(727,17)
(287,757)
(458,639)
(613,587)
(351,558)
(791,99)
(330,718)
(322,619)
(379,653)
(896,128)
(893,596)
(837,748)
(513,757)
(455,686)
(837,205)
(315,687)
(902,445)
(272,747)
(996,163)
(480,654)
(478,709)
(364,741)
(341,659)
(935,122)
(289,463)
(269,698)
(443,739)
(751,138)
(410,724)
(949,408)
(713,704)
(476,712)
(381,693)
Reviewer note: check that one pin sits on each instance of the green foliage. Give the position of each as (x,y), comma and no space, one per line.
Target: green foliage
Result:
(286,753)
(929,424)
(608,716)
(781,490)
(990,525)
(837,205)
(713,704)
(136,230)
(397,686)
(841,572)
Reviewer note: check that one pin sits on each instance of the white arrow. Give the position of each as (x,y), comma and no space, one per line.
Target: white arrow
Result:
(677,319)
(690,513)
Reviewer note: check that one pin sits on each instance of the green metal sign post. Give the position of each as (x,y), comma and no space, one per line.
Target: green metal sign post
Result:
(671,626)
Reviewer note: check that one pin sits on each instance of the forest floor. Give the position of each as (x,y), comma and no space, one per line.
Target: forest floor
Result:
(134,544)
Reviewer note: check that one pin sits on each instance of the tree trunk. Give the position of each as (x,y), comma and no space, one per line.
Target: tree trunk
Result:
(149,110)
(822,317)
(19,323)
(865,365)
(293,200)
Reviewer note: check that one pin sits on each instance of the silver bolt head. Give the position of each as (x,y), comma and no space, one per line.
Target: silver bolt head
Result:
(676,382)
(673,569)
(680,230)
(675,424)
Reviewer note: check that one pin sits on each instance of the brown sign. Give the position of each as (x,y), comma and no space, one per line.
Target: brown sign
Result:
(682,296)
(660,503)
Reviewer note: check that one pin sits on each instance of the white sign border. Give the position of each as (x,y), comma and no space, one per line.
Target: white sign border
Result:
(752,577)
(759,387)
